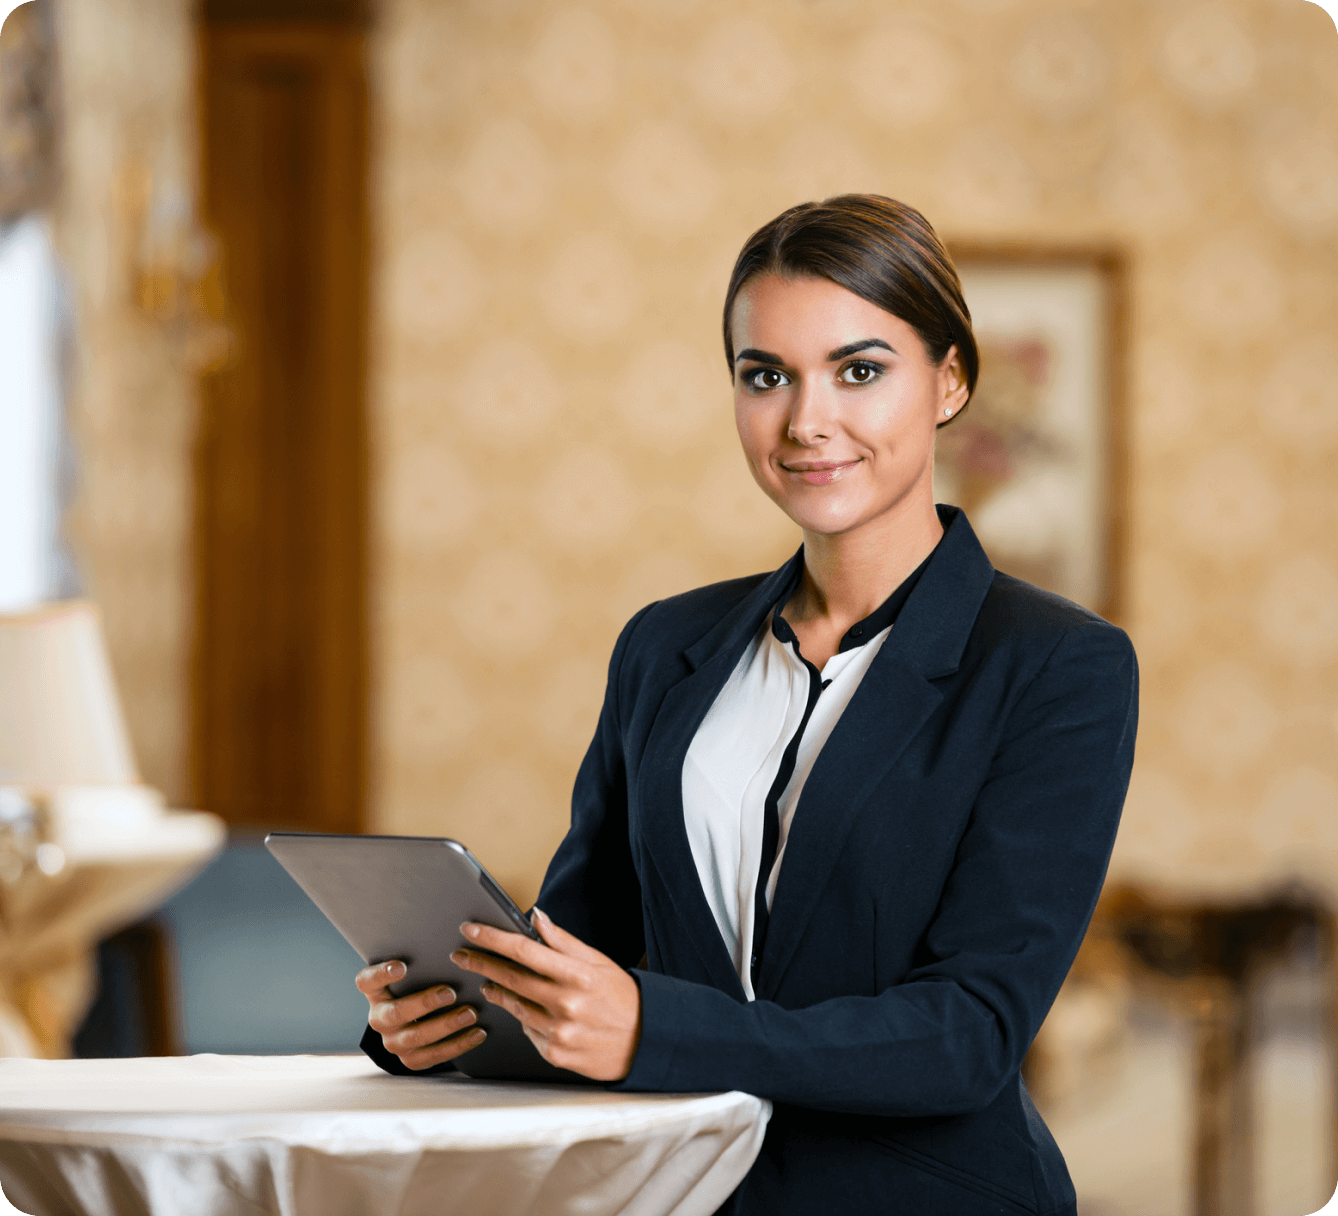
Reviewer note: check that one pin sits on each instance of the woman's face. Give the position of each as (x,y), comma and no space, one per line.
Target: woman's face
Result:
(836,402)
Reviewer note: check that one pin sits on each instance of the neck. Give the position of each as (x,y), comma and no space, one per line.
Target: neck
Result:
(847,576)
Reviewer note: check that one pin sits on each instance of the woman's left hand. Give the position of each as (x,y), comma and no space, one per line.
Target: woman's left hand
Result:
(578,1007)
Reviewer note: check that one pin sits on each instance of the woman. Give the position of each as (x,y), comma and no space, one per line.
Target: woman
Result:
(856,813)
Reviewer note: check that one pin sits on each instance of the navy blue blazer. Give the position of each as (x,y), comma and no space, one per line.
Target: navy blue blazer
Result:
(941,868)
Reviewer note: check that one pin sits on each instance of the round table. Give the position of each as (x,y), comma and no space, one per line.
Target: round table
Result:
(334,1136)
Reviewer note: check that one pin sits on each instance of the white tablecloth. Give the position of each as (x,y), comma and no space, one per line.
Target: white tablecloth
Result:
(333,1136)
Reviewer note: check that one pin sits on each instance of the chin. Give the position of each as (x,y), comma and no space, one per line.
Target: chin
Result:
(826,519)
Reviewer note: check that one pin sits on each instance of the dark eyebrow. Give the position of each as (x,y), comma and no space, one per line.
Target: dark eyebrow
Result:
(842,351)
(759,356)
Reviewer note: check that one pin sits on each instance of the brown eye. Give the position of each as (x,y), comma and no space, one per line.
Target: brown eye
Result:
(859,373)
(766,377)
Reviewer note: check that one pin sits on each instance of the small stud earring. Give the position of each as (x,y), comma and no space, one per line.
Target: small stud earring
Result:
(947,412)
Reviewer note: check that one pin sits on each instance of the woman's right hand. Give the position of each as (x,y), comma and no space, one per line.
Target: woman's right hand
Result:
(423,1029)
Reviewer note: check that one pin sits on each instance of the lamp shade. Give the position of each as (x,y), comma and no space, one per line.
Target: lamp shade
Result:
(60,717)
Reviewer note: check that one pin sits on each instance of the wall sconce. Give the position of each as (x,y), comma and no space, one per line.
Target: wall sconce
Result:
(175,265)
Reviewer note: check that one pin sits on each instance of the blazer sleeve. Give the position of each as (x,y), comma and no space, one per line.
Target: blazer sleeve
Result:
(1016,904)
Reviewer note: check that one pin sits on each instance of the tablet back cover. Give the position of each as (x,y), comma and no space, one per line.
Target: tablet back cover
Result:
(406,897)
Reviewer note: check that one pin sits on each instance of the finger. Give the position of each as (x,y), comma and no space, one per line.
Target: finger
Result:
(532,1016)
(562,941)
(502,971)
(538,957)
(418,1035)
(447,1049)
(373,981)
(390,1014)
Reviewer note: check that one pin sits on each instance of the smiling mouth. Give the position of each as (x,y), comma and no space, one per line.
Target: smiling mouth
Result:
(819,472)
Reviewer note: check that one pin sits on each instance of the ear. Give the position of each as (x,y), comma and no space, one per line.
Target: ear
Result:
(952,385)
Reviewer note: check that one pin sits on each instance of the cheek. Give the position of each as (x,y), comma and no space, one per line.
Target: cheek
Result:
(916,411)
(892,426)
(755,429)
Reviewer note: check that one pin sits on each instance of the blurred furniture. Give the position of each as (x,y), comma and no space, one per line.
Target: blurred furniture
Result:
(135,1011)
(1206,959)
(85,849)
(299,1134)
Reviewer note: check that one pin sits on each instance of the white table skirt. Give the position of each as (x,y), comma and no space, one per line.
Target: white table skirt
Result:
(334,1136)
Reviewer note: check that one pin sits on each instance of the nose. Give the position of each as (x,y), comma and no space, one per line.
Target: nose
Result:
(811,419)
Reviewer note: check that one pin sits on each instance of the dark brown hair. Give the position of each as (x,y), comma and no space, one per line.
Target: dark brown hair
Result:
(883,251)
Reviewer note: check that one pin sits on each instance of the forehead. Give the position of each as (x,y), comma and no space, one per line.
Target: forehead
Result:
(799,316)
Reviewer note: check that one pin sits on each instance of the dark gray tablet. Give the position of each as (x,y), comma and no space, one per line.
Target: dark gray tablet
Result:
(406,897)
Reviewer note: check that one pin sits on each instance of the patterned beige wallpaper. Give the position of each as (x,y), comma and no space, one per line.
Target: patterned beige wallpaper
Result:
(559,191)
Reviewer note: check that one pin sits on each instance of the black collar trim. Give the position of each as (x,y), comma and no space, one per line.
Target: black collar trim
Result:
(861,631)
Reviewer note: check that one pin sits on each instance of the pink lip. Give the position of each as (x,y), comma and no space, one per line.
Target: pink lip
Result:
(819,472)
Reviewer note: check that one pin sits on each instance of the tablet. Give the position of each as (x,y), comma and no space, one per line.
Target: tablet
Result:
(406,897)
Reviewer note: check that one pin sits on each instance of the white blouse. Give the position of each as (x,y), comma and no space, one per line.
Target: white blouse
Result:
(735,757)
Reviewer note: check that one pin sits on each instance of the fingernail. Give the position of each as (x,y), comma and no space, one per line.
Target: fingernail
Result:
(444,996)
(541,914)
(470,931)
(395,969)
(460,958)
(488,990)
(467,1015)
(476,1036)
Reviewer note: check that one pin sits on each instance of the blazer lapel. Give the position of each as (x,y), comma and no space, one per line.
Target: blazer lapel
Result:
(894,700)
(711,660)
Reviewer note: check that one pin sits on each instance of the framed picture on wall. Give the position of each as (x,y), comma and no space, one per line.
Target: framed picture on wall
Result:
(1038,459)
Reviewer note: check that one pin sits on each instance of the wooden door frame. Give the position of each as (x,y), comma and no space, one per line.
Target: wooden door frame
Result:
(336,611)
